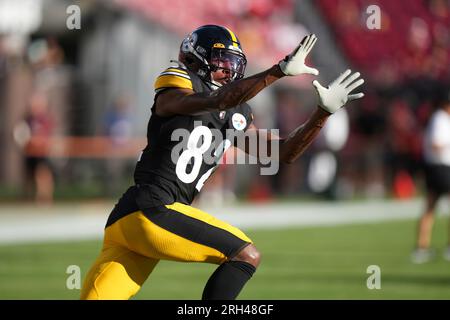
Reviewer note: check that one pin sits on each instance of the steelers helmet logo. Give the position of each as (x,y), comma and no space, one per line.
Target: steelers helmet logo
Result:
(189,42)
(239,121)
(193,39)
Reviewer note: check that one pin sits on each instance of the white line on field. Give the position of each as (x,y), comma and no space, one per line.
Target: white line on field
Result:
(26,223)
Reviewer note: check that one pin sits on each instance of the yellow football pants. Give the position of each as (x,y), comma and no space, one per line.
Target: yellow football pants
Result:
(134,244)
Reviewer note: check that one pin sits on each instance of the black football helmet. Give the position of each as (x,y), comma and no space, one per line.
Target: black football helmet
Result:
(210,48)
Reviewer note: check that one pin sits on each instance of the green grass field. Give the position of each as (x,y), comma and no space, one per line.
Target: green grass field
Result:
(307,263)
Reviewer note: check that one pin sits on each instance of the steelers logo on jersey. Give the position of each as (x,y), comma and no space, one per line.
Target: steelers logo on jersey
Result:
(239,121)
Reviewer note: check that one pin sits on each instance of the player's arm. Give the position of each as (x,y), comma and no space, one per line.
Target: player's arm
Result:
(331,99)
(186,102)
(290,148)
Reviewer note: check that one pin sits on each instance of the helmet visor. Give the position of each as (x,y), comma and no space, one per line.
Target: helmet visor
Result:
(229,61)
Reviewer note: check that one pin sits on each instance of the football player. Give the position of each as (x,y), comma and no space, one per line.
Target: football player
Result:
(436,148)
(153,220)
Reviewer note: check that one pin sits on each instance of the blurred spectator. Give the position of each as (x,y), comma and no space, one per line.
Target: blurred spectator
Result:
(34,134)
(118,126)
(53,77)
(403,148)
(417,60)
(289,115)
(118,121)
(437,173)
(282,23)
(439,8)
(251,34)
(348,14)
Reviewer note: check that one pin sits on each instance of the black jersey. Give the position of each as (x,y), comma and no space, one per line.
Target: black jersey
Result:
(183,151)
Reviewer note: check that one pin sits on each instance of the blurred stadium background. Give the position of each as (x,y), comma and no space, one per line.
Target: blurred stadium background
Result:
(352,201)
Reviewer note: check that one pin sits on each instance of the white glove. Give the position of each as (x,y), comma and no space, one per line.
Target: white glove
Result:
(294,64)
(337,93)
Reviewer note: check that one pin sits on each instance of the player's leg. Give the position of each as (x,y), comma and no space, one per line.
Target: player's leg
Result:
(446,192)
(433,179)
(447,250)
(241,262)
(426,222)
(446,253)
(230,277)
(423,253)
(182,233)
(118,273)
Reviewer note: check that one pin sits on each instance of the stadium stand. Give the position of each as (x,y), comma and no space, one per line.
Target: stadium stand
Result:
(411,35)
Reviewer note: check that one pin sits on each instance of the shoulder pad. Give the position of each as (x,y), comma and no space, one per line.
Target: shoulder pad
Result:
(173,77)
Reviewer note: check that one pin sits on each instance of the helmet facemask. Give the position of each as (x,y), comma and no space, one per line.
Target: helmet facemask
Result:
(231,62)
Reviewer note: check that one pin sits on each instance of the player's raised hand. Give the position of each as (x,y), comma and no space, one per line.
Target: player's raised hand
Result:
(294,64)
(337,93)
